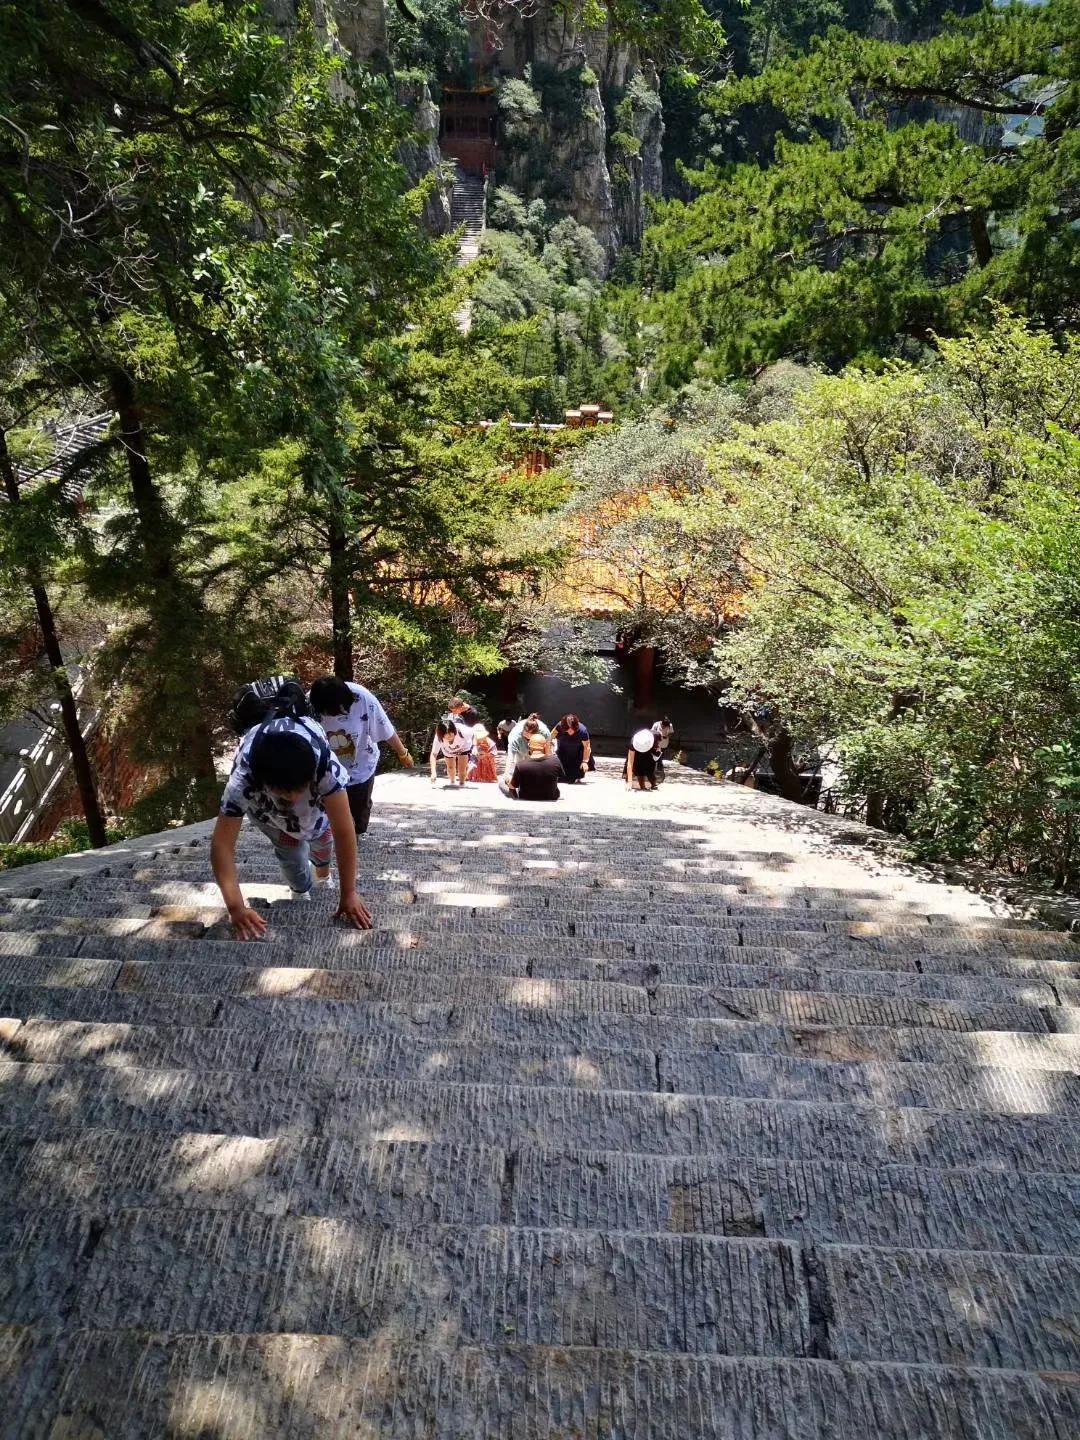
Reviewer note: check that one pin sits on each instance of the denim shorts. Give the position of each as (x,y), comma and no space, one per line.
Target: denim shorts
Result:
(296,858)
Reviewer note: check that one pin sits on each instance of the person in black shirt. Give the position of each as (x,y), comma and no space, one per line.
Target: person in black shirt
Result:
(573,747)
(537,776)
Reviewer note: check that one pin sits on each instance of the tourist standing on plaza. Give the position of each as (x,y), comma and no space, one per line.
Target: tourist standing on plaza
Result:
(356,724)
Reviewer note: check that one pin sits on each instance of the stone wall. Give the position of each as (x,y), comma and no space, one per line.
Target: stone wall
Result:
(122,781)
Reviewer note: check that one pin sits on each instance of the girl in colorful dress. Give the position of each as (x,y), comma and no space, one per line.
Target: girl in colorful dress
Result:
(485,766)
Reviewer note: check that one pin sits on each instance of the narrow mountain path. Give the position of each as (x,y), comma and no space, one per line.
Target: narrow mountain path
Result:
(635,1117)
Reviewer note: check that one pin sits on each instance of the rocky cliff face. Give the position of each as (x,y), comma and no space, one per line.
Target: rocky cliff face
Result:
(594,150)
(421,156)
(359,28)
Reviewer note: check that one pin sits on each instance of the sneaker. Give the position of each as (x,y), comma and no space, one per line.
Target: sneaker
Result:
(321,882)
(300,895)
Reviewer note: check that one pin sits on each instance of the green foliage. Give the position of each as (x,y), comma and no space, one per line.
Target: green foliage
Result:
(647,549)
(871,222)
(279,339)
(676,31)
(70,839)
(546,278)
(520,112)
(908,552)
(882,567)
(435,44)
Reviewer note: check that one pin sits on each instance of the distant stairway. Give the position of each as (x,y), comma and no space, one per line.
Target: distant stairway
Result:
(467,206)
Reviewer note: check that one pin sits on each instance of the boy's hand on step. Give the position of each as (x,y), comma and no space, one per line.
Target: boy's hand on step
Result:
(353,909)
(247,924)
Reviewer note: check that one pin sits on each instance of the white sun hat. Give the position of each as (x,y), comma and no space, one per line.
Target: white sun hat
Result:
(643,741)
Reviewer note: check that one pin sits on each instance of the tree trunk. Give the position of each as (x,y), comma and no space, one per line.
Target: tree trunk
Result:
(785,771)
(644,677)
(340,601)
(144,493)
(875,809)
(170,598)
(980,238)
(80,756)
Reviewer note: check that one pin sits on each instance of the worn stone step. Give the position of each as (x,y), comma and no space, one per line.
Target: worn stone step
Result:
(616,898)
(105,1006)
(191,1271)
(103,1171)
(791,975)
(578,922)
(566,1030)
(128,907)
(381,953)
(909,1085)
(59,1099)
(1036,981)
(897,1206)
(906,1085)
(129,1385)
(334,948)
(547,876)
(892,1205)
(116,925)
(415,986)
(793,1007)
(195,1271)
(329,1053)
(342,948)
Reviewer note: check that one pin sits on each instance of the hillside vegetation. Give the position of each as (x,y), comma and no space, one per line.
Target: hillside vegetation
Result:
(820,258)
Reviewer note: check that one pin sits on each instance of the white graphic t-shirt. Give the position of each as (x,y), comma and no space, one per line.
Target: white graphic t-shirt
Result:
(454,745)
(355,736)
(304,817)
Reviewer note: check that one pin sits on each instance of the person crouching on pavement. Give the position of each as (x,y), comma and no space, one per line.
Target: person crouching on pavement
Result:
(453,743)
(537,776)
(287,782)
(517,744)
(641,761)
(484,768)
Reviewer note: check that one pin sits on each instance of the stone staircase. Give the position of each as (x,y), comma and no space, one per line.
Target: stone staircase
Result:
(468,201)
(639,1117)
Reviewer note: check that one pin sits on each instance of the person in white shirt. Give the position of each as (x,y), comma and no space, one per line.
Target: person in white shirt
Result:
(452,742)
(287,783)
(356,724)
(662,733)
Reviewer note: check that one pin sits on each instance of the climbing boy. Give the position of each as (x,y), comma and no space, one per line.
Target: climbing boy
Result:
(355,725)
(287,782)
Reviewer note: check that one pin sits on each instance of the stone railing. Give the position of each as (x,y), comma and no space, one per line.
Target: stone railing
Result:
(43,766)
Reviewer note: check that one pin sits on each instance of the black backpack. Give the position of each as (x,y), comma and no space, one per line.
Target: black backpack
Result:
(259,700)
